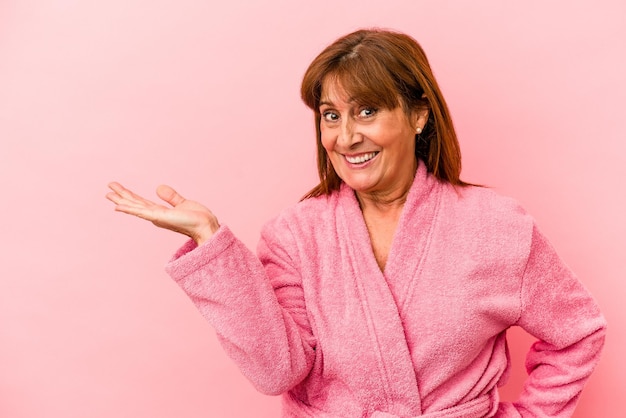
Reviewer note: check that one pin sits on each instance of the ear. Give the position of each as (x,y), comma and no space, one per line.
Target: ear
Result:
(419,118)
(420,115)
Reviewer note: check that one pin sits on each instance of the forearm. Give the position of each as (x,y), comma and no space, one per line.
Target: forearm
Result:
(229,285)
(558,310)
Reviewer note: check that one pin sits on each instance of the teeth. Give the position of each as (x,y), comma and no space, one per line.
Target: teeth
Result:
(361,158)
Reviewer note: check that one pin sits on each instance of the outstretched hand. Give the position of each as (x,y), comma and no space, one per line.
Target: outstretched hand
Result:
(184,216)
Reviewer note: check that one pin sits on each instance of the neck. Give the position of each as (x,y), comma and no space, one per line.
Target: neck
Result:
(388,200)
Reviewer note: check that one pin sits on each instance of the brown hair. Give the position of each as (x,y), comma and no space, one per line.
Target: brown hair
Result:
(376,67)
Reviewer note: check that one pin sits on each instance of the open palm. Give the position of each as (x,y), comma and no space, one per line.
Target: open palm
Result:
(184,216)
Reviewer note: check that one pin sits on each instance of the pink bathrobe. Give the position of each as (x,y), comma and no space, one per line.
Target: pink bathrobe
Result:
(313,317)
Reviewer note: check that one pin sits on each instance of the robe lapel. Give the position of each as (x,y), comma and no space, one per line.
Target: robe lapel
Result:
(384,324)
(412,238)
(383,295)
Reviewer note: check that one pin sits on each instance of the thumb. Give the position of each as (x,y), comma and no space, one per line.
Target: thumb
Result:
(169,195)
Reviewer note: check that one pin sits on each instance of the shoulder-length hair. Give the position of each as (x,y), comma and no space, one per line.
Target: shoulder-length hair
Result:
(377,67)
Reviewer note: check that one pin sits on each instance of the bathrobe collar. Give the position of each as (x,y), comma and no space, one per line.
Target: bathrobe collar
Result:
(419,208)
(390,290)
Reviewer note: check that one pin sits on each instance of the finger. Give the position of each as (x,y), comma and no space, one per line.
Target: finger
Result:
(169,195)
(119,200)
(129,197)
(116,187)
(114,197)
(138,211)
(122,191)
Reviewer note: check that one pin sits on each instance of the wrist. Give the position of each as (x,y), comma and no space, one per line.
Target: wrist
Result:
(205,233)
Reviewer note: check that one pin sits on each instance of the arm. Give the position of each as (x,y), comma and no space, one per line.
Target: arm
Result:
(184,216)
(256,306)
(560,312)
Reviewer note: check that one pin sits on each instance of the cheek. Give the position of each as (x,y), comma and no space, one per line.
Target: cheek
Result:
(328,141)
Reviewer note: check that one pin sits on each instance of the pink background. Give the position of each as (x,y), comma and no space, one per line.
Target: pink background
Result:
(204,96)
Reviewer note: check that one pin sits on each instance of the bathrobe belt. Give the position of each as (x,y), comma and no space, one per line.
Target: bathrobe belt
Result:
(481,407)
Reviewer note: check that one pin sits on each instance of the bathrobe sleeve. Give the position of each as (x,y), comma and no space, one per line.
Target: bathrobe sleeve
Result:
(560,312)
(255,304)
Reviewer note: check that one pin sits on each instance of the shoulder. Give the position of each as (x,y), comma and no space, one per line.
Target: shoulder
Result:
(304,217)
(481,198)
(308,210)
(481,203)
(481,214)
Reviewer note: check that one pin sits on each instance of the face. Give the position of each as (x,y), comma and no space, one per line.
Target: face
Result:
(372,150)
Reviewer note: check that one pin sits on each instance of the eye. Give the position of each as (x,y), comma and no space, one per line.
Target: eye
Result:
(330,116)
(367,112)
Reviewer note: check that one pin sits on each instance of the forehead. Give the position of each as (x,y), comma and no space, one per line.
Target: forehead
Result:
(340,88)
(332,91)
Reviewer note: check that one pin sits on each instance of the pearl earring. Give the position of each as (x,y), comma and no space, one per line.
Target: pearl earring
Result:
(418,130)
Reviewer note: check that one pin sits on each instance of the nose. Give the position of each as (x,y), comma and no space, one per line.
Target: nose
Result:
(348,135)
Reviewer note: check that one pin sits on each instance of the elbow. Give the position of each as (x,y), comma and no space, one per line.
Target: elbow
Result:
(280,376)
(276,382)
(601,332)
(594,342)
(272,388)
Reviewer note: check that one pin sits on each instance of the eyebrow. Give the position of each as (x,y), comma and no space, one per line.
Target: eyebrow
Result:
(329,103)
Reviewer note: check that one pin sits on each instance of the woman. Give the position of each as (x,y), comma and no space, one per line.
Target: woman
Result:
(387,291)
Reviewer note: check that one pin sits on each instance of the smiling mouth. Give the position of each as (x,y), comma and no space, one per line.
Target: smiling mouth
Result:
(360,159)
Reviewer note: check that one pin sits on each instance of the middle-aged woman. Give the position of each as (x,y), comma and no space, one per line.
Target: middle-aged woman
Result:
(387,291)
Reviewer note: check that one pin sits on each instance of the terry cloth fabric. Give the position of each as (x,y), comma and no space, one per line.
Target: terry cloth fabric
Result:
(312,316)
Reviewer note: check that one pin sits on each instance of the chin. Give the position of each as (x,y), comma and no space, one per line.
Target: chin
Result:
(360,186)
(361,182)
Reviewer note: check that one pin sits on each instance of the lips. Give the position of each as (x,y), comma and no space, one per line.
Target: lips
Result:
(360,159)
